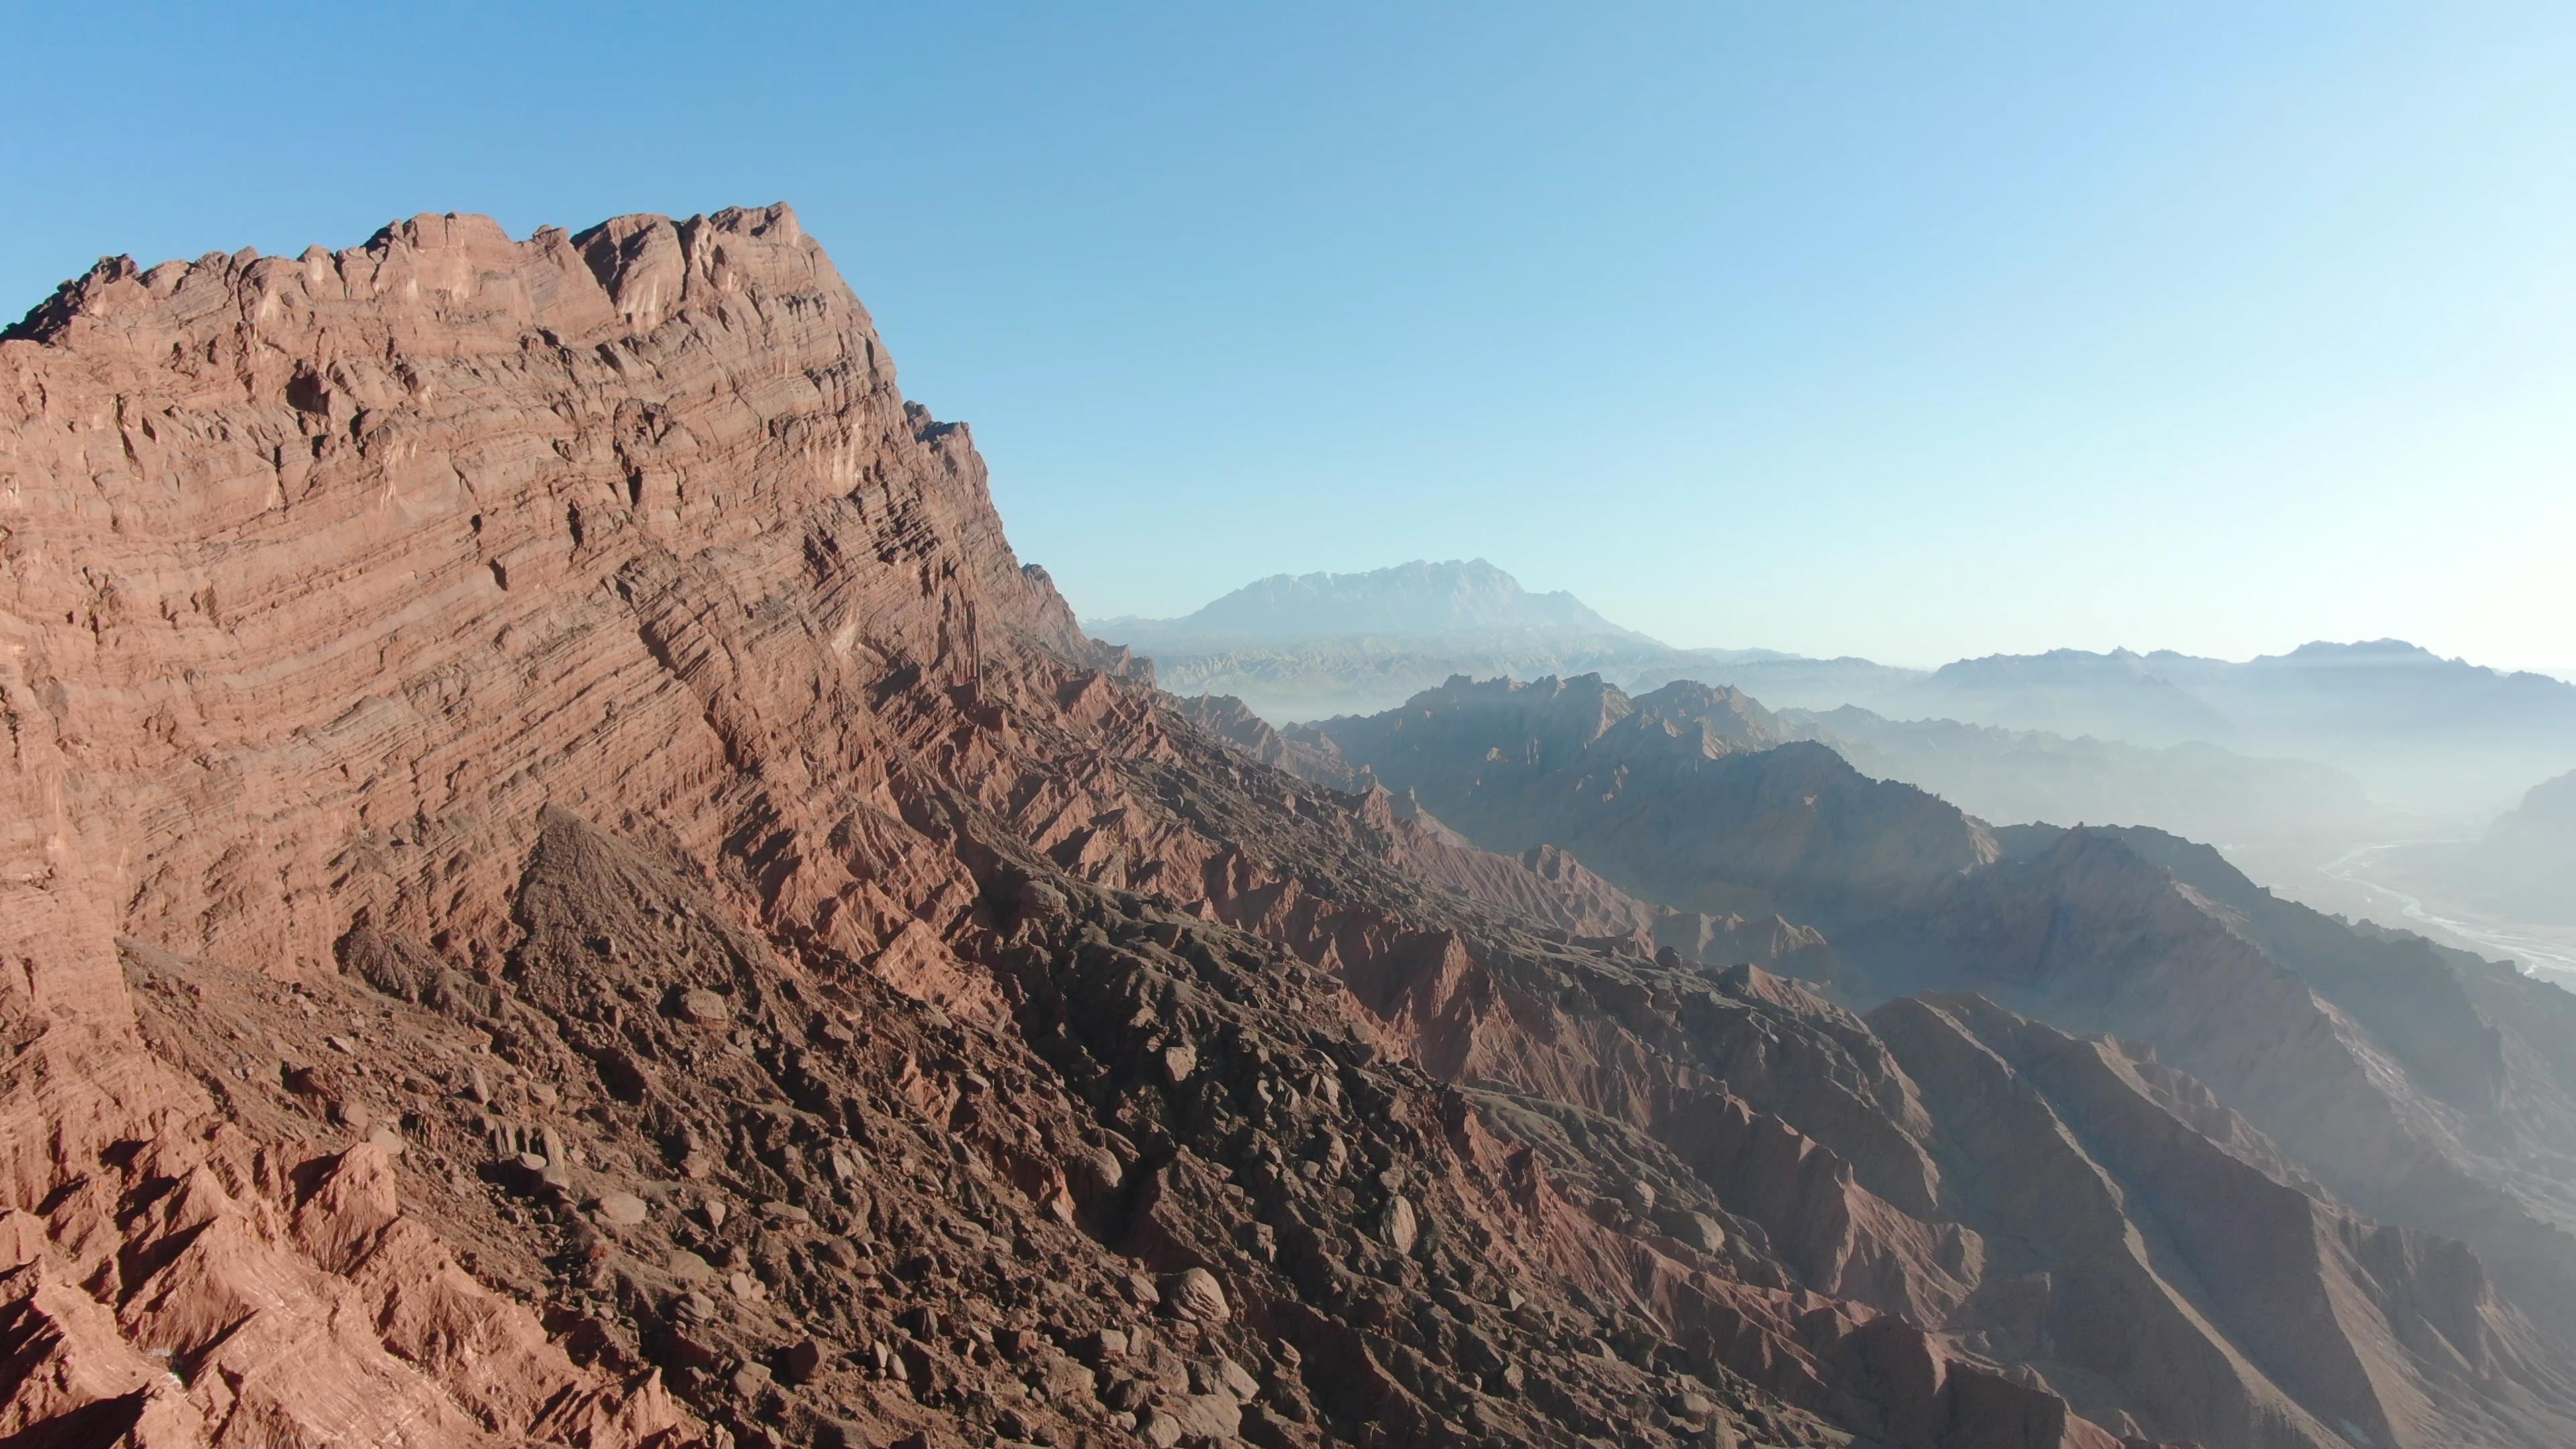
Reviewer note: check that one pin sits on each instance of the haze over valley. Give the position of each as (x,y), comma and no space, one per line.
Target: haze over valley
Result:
(2367,778)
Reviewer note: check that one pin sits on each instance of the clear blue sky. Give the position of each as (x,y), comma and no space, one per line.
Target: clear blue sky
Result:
(1904,330)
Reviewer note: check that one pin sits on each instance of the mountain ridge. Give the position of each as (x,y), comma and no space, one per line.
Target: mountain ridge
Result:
(564,885)
(1422,597)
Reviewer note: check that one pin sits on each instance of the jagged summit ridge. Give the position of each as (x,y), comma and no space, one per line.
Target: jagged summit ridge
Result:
(646,264)
(445,429)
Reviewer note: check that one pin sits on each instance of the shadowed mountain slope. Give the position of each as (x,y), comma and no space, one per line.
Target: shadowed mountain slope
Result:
(2420,1085)
(1692,796)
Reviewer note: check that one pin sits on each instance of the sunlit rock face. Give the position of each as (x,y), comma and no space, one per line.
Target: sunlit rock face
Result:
(560,884)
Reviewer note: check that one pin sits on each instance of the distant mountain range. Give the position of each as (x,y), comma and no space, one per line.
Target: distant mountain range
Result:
(1413,600)
(1310,646)
(2193,789)
(2439,737)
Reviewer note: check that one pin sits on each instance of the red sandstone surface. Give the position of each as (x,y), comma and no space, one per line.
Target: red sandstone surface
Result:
(560,884)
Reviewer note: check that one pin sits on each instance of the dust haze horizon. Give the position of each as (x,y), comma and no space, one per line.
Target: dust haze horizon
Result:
(1119,624)
(1828,329)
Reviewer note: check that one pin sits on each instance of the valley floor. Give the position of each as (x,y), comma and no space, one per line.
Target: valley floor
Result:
(2366,882)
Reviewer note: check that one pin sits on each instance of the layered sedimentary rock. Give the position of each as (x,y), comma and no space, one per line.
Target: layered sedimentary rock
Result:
(562,885)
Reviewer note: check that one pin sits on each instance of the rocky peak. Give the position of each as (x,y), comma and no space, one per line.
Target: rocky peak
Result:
(1413,599)
(2369,651)
(1726,714)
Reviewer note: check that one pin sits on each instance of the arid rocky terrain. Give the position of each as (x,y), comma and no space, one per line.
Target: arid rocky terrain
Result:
(561,884)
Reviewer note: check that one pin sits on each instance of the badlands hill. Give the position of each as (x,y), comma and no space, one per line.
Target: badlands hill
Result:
(562,885)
